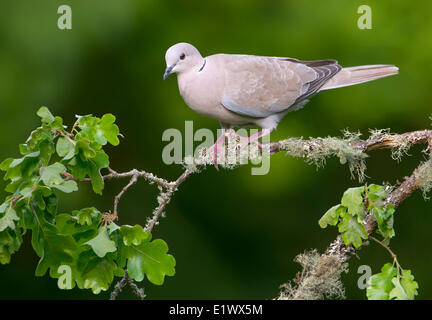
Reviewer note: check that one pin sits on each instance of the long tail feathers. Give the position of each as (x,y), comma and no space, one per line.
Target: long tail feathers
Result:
(355,75)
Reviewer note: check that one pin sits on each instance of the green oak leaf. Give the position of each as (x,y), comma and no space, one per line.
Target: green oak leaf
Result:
(26,192)
(100,130)
(376,192)
(46,149)
(405,288)
(30,221)
(67,186)
(88,125)
(384,218)
(101,160)
(102,244)
(112,227)
(4,165)
(57,124)
(36,137)
(51,177)
(44,198)
(10,242)
(22,167)
(4,206)
(96,273)
(91,167)
(84,147)
(81,232)
(133,235)
(45,115)
(7,221)
(352,199)
(65,148)
(381,284)
(58,249)
(88,216)
(150,258)
(331,217)
(398,292)
(353,231)
(109,129)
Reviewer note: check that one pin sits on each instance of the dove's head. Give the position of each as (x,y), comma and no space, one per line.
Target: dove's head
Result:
(181,57)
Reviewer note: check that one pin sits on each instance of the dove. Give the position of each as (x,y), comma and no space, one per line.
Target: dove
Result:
(242,90)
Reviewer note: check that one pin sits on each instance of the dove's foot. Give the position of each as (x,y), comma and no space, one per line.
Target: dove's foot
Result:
(246,141)
(218,150)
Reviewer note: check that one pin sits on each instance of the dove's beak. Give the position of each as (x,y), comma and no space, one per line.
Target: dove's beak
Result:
(168,71)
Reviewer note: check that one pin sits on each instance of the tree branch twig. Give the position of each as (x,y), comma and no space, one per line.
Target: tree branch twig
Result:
(349,148)
(337,251)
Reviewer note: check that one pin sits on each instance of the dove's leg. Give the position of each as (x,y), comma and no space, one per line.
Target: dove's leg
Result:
(218,148)
(245,141)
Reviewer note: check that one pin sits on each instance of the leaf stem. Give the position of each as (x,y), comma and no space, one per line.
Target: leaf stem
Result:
(384,246)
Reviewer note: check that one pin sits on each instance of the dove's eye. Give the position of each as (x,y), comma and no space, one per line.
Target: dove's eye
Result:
(182,56)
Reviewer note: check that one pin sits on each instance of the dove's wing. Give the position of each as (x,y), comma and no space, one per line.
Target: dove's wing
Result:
(261,86)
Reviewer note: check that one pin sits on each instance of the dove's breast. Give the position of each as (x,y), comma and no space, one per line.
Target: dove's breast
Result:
(203,91)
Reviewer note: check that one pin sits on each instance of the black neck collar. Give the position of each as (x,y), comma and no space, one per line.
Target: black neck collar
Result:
(202,67)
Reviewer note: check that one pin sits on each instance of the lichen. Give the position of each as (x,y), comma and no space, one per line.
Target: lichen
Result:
(345,150)
(295,147)
(424,178)
(401,150)
(403,145)
(319,278)
(378,133)
(318,150)
(230,155)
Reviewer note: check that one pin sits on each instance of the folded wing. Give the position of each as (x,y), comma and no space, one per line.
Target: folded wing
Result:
(261,86)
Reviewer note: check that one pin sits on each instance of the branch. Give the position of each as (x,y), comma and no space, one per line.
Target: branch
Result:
(119,286)
(338,253)
(165,198)
(379,139)
(349,149)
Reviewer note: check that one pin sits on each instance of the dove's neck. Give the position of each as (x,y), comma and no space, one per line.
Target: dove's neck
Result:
(195,69)
(195,64)
(200,89)
(203,65)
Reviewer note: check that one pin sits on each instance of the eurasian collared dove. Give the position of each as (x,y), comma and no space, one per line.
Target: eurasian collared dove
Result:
(241,90)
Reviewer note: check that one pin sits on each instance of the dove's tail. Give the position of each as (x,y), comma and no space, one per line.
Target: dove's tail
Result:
(355,75)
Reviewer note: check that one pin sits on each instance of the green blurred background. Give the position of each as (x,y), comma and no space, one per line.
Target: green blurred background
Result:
(234,235)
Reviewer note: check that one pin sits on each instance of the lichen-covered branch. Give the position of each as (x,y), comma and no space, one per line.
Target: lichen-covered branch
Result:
(164,199)
(321,273)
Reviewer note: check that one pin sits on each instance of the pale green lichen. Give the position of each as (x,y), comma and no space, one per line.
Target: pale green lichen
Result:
(345,150)
(229,155)
(403,145)
(424,177)
(401,150)
(320,278)
(378,133)
(318,150)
